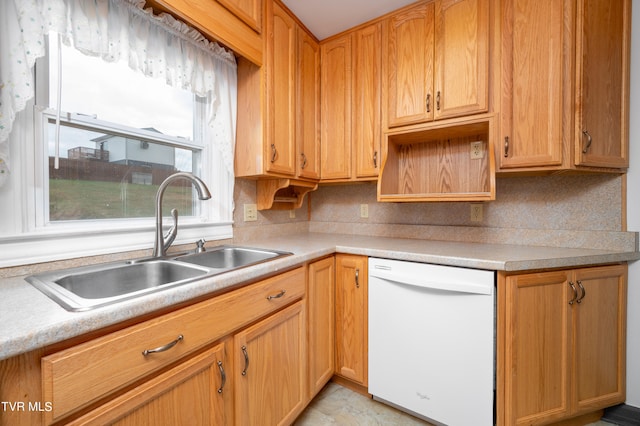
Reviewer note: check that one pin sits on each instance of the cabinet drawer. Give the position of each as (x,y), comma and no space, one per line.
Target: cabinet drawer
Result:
(80,375)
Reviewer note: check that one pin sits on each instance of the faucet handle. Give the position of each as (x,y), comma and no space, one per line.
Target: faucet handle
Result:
(200,245)
(173,231)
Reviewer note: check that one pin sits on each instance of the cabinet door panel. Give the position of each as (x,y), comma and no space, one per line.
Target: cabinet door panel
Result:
(462,57)
(308,110)
(366,100)
(602,85)
(351,317)
(186,394)
(250,11)
(533,38)
(410,66)
(272,391)
(335,102)
(537,369)
(599,355)
(321,300)
(280,152)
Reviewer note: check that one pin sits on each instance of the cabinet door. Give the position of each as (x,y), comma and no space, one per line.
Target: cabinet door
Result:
(533,70)
(321,309)
(409,65)
(280,151)
(366,100)
(351,317)
(193,392)
(461,57)
(335,114)
(270,369)
(250,11)
(308,110)
(536,361)
(600,339)
(602,87)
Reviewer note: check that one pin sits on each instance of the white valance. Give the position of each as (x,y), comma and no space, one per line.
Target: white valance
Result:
(157,45)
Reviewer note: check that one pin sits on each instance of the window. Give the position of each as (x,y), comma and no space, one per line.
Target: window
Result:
(86,164)
(117,140)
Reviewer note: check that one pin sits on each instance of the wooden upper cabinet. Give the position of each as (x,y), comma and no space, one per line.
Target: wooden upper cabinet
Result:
(336,87)
(308,106)
(602,86)
(350,102)
(250,11)
(565,85)
(280,151)
(409,66)
(461,57)
(366,134)
(438,61)
(534,39)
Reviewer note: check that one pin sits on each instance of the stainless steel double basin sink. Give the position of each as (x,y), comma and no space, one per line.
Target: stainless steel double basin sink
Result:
(85,288)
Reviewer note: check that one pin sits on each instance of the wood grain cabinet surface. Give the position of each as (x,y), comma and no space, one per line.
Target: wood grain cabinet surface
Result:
(352,317)
(82,375)
(437,62)
(565,76)
(278,103)
(561,344)
(270,369)
(321,314)
(350,105)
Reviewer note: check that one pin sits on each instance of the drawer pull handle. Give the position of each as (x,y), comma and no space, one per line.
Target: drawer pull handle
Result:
(246,360)
(575,293)
(223,377)
(277,296)
(357,278)
(164,347)
(584,293)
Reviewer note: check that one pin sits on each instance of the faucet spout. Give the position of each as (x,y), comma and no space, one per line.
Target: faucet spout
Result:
(160,245)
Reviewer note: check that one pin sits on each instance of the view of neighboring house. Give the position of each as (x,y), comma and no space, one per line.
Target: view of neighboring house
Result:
(124,151)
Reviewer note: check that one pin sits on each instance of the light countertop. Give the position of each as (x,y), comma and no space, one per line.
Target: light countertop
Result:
(31,320)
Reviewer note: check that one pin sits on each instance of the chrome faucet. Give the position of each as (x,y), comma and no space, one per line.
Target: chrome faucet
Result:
(162,243)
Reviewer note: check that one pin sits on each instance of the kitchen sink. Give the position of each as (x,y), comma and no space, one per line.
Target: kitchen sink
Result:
(85,288)
(230,257)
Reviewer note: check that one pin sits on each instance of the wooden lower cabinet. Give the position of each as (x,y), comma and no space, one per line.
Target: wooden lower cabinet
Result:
(321,318)
(351,317)
(561,344)
(270,366)
(191,393)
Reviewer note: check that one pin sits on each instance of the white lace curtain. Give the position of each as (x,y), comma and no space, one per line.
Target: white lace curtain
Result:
(158,45)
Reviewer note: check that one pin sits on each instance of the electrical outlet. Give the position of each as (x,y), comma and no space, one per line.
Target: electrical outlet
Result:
(476,212)
(477,150)
(364,210)
(292,214)
(250,212)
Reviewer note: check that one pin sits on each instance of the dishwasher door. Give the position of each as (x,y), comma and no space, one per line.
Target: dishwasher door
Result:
(431,340)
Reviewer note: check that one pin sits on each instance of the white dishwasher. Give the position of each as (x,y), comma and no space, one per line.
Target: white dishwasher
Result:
(431,340)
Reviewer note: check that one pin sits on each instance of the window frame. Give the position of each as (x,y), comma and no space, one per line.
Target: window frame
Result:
(35,239)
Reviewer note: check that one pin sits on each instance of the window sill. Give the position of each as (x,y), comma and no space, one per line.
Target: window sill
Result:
(54,245)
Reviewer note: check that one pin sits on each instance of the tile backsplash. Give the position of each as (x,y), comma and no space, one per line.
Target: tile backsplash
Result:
(558,210)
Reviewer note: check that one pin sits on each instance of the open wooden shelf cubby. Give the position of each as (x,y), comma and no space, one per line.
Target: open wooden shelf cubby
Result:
(438,161)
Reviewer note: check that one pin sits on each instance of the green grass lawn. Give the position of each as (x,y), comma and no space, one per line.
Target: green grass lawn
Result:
(84,199)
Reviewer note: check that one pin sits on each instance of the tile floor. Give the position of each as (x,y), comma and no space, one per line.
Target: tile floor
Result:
(336,405)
